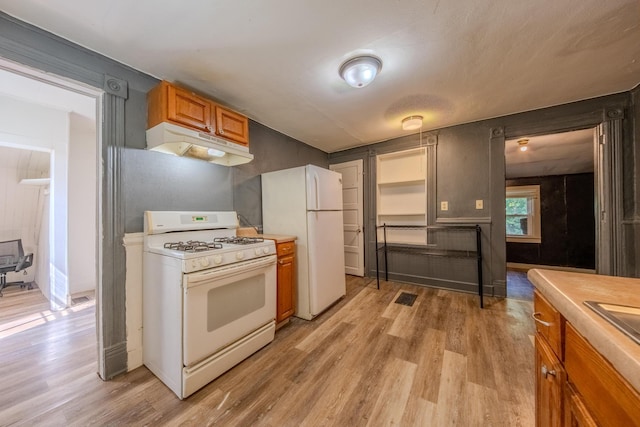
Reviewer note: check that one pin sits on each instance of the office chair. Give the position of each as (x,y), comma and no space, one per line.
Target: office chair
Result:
(12,258)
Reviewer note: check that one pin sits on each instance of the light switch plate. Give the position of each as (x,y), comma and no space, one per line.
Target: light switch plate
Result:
(479,204)
(444,206)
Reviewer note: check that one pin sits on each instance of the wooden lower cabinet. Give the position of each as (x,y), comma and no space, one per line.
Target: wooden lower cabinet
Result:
(286,296)
(576,385)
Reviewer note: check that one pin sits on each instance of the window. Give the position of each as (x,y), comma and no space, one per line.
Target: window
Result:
(523,214)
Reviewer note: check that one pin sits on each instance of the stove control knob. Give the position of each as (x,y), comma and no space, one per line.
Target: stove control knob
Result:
(204,262)
(193,264)
(240,255)
(257,251)
(217,259)
(265,250)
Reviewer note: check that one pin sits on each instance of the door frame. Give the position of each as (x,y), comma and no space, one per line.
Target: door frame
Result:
(359,164)
(38,50)
(609,233)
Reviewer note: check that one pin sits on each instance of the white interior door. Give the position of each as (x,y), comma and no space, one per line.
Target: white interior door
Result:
(353,219)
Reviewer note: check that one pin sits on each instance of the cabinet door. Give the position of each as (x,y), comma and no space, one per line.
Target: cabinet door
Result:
(550,377)
(232,125)
(188,109)
(286,289)
(576,413)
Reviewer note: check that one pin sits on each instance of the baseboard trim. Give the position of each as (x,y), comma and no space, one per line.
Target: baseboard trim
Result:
(526,267)
(115,360)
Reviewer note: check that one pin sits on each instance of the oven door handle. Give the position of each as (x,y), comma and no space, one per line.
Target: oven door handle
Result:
(194,279)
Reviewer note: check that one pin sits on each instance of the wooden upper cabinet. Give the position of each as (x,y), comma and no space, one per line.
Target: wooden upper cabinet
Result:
(169,103)
(188,109)
(232,125)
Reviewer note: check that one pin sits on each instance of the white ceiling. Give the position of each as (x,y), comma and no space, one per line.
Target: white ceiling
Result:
(557,154)
(277,61)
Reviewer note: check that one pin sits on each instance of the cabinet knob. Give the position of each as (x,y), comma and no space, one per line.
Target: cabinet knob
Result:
(221,131)
(545,371)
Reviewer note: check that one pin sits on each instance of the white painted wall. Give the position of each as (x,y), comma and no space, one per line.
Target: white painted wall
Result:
(25,124)
(20,207)
(82,204)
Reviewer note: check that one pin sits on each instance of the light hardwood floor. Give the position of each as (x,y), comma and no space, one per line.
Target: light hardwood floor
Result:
(366,362)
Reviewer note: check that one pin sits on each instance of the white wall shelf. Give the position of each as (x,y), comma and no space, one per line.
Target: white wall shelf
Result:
(401,193)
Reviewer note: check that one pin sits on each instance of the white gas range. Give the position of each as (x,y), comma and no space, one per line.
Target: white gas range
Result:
(209,297)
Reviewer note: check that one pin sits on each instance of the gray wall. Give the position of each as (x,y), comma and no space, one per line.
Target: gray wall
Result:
(469,160)
(272,151)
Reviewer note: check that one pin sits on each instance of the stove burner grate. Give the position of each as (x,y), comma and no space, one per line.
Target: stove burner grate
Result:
(192,246)
(239,240)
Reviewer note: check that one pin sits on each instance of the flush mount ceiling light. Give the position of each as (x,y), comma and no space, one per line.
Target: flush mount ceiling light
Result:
(412,122)
(522,143)
(360,71)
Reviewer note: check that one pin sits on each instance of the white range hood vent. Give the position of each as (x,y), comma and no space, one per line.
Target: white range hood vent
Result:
(179,141)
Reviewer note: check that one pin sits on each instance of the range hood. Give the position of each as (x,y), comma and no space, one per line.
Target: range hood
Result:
(179,141)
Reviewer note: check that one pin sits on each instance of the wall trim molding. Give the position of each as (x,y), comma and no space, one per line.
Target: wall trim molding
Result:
(464,220)
(112,328)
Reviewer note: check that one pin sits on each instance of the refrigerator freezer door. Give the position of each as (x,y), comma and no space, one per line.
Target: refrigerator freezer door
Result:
(326,259)
(324,189)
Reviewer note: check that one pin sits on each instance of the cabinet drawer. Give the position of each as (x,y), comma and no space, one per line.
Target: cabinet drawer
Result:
(286,248)
(608,397)
(549,323)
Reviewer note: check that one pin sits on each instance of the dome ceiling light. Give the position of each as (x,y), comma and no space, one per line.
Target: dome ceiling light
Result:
(361,70)
(412,122)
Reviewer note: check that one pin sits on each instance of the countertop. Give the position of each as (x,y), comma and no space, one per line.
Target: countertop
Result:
(567,292)
(251,232)
(279,238)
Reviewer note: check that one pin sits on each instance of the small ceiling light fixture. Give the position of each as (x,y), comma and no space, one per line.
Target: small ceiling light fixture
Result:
(522,143)
(412,122)
(215,153)
(360,70)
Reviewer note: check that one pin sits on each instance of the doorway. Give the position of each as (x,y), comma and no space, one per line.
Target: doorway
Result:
(352,200)
(66,260)
(550,216)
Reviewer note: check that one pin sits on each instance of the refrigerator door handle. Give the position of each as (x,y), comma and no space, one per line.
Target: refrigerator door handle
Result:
(317,188)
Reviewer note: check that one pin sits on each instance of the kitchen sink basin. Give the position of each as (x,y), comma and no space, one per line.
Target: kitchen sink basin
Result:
(623,317)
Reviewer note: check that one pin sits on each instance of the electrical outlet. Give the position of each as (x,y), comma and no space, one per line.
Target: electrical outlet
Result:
(444,206)
(479,204)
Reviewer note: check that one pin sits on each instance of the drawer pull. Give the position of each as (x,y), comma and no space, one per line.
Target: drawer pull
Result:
(542,322)
(545,371)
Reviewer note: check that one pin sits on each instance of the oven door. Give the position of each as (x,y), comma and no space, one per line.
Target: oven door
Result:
(224,304)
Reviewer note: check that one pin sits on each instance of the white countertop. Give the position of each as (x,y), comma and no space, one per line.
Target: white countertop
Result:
(567,292)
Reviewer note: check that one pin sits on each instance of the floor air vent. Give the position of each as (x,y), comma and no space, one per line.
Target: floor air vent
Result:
(79,300)
(406,299)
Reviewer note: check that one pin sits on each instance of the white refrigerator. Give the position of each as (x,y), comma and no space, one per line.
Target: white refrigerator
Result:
(307,202)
